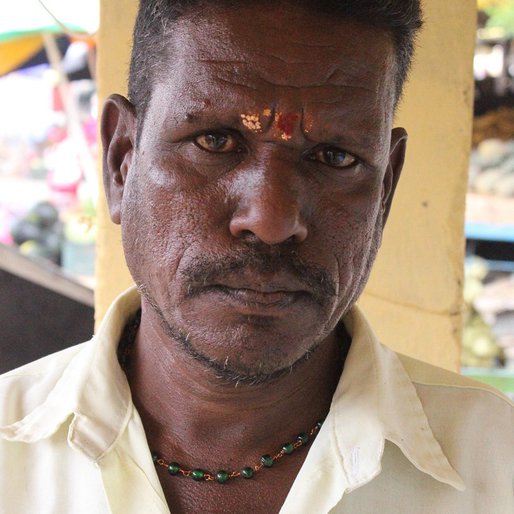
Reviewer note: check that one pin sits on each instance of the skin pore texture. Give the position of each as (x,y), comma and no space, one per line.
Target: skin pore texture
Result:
(252,207)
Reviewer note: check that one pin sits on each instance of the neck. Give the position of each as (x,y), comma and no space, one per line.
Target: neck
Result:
(192,416)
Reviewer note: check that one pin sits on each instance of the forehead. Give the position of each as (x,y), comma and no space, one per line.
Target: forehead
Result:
(291,58)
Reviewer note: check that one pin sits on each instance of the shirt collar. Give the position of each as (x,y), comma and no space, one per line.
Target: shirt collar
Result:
(374,401)
(376,388)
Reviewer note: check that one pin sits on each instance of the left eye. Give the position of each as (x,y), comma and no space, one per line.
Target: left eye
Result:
(217,142)
(333,156)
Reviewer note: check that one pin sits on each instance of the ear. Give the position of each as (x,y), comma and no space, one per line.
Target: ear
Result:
(118,131)
(394,168)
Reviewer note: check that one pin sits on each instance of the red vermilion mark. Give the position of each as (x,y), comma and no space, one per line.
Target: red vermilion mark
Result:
(286,123)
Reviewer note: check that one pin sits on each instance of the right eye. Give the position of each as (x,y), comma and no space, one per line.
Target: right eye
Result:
(217,142)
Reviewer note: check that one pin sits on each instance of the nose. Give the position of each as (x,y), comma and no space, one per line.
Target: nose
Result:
(269,209)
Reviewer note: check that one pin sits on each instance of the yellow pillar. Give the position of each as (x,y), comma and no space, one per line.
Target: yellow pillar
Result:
(414,295)
(114,44)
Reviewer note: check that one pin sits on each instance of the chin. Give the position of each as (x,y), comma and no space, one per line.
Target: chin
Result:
(249,365)
(247,349)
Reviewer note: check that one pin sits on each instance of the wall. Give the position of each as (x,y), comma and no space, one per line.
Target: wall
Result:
(414,295)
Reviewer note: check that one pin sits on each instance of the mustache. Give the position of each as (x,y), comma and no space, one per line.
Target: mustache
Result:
(204,271)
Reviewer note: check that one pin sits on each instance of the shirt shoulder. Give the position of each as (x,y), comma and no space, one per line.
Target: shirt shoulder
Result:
(424,374)
(24,388)
(459,408)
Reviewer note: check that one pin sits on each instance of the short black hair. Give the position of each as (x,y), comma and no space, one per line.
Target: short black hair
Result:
(400,18)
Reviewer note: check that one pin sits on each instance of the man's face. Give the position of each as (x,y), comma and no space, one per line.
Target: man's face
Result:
(254,202)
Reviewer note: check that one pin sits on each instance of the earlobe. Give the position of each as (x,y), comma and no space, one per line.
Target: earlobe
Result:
(118,131)
(394,168)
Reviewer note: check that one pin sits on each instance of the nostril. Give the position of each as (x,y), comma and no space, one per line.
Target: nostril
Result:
(247,235)
(268,229)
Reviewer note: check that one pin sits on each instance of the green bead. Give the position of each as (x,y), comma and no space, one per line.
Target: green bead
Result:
(155,456)
(303,438)
(173,468)
(247,472)
(319,424)
(221,476)
(198,474)
(267,461)
(288,448)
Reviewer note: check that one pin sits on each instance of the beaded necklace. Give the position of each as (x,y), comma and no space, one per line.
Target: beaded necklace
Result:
(198,474)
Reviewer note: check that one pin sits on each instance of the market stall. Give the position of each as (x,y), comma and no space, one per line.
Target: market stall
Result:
(48,184)
(48,146)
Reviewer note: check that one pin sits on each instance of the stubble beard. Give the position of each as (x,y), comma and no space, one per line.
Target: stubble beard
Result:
(242,374)
(223,371)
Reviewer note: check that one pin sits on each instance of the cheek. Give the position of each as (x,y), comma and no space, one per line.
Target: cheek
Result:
(350,227)
(162,222)
(350,217)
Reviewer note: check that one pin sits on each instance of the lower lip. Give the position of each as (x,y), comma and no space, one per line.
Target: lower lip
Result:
(257,299)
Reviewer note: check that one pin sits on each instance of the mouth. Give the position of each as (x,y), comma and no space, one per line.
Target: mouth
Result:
(266,281)
(255,294)
(258,297)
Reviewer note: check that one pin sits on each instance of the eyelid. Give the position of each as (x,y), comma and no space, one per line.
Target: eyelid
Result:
(225,131)
(310,154)
(241,147)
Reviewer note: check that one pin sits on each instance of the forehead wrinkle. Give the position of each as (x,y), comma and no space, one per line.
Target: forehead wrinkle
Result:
(338,109)
(267,45)
(244,100)
(262,30)
(209,82)
(266,56)
(257,80)
(225,72)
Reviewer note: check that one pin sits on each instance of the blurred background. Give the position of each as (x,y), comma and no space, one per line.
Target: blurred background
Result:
(488,336)
(48,181)
(49,187)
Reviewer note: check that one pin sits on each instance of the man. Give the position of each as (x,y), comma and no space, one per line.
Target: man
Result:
(252,172)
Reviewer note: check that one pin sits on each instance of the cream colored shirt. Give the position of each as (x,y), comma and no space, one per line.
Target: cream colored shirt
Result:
(401,437)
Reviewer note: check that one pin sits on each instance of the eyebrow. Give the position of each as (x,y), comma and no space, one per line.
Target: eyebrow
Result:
(365,140)
(197,116)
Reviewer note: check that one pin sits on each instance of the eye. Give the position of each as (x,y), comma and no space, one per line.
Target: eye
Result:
(217,142)
(333,156)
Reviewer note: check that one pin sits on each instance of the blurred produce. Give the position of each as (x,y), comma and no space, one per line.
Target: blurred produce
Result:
(496,305)
(47,176)
(78,249)
(498,124)
(491,170)
(488,339)
(479,349)
(39,233)
(500,13)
